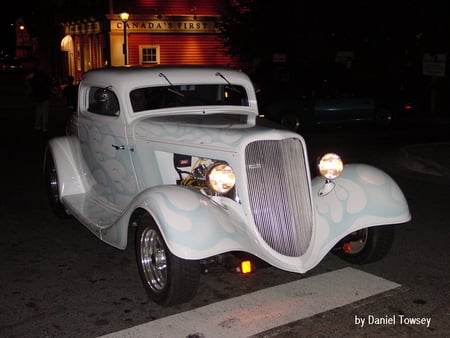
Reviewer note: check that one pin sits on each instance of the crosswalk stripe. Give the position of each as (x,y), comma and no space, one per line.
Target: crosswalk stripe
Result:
(265,309)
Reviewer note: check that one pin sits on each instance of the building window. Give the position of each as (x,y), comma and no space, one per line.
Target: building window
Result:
(148,54)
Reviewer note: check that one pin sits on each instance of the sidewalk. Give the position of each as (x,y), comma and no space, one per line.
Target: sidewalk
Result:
(431,158)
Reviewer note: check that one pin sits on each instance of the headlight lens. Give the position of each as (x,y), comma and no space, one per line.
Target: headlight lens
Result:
(330,166)
(220,178)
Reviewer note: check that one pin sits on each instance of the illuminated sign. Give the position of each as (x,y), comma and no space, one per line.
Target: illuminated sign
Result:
(174,25)
(434,64)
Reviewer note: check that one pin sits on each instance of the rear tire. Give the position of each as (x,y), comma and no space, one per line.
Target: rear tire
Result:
(367,245)
(383,117)
(167,279)
(52,186)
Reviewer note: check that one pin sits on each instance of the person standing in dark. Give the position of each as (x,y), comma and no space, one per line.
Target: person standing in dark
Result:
(70,93)
(40,85)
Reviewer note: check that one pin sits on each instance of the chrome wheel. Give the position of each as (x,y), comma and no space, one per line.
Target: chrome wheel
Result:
(153,260)
(168,279)
(53,187)
(355,246)
(366,245)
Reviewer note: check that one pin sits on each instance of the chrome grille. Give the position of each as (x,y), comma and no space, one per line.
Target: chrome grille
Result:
(279,194)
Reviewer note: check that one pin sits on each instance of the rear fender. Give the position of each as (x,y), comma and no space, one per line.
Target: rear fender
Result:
(73,174)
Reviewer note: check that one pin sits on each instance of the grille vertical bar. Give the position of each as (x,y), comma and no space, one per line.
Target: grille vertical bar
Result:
(279,194)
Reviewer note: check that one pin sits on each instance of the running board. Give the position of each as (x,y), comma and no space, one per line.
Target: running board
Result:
(92,213)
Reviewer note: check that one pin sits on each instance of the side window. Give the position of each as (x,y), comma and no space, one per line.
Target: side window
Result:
(139,101)
(148,54)
(103,101)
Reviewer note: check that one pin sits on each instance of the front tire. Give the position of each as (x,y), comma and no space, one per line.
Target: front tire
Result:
(366,245)
(290,121)
(168,279)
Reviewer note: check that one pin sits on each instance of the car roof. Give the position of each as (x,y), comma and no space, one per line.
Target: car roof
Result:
(128,78)
(123,80)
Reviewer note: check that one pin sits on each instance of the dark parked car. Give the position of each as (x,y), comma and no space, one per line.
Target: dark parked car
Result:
(11,65)
(332,96)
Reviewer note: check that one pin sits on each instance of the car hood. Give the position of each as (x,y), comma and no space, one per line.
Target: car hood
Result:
(223,137)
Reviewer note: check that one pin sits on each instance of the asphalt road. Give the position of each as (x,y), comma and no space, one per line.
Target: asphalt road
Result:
(58,280)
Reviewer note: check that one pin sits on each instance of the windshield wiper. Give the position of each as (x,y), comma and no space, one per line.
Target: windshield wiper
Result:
(172,87)
(230,86)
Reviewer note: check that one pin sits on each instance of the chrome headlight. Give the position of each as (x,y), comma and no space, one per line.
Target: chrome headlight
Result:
(220,178)
(330,166)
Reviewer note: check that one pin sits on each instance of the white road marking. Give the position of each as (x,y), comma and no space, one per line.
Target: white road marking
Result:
(265,309)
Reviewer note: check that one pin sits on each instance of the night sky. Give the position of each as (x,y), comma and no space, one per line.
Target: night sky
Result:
(45,13)
(7,25)
(409,17)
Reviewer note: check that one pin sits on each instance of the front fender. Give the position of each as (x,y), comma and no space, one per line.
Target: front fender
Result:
(362,196)
(193,225)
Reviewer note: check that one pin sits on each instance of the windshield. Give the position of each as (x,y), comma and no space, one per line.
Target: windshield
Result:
(186,96)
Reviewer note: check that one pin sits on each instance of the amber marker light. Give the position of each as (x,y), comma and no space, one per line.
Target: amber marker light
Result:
(246,267)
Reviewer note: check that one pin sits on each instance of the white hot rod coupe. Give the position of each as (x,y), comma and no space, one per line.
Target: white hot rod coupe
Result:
(176,154)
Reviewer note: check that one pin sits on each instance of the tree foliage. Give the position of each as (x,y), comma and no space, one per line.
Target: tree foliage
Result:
(256,29)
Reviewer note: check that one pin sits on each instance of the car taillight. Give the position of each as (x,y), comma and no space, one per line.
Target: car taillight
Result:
(407,106)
